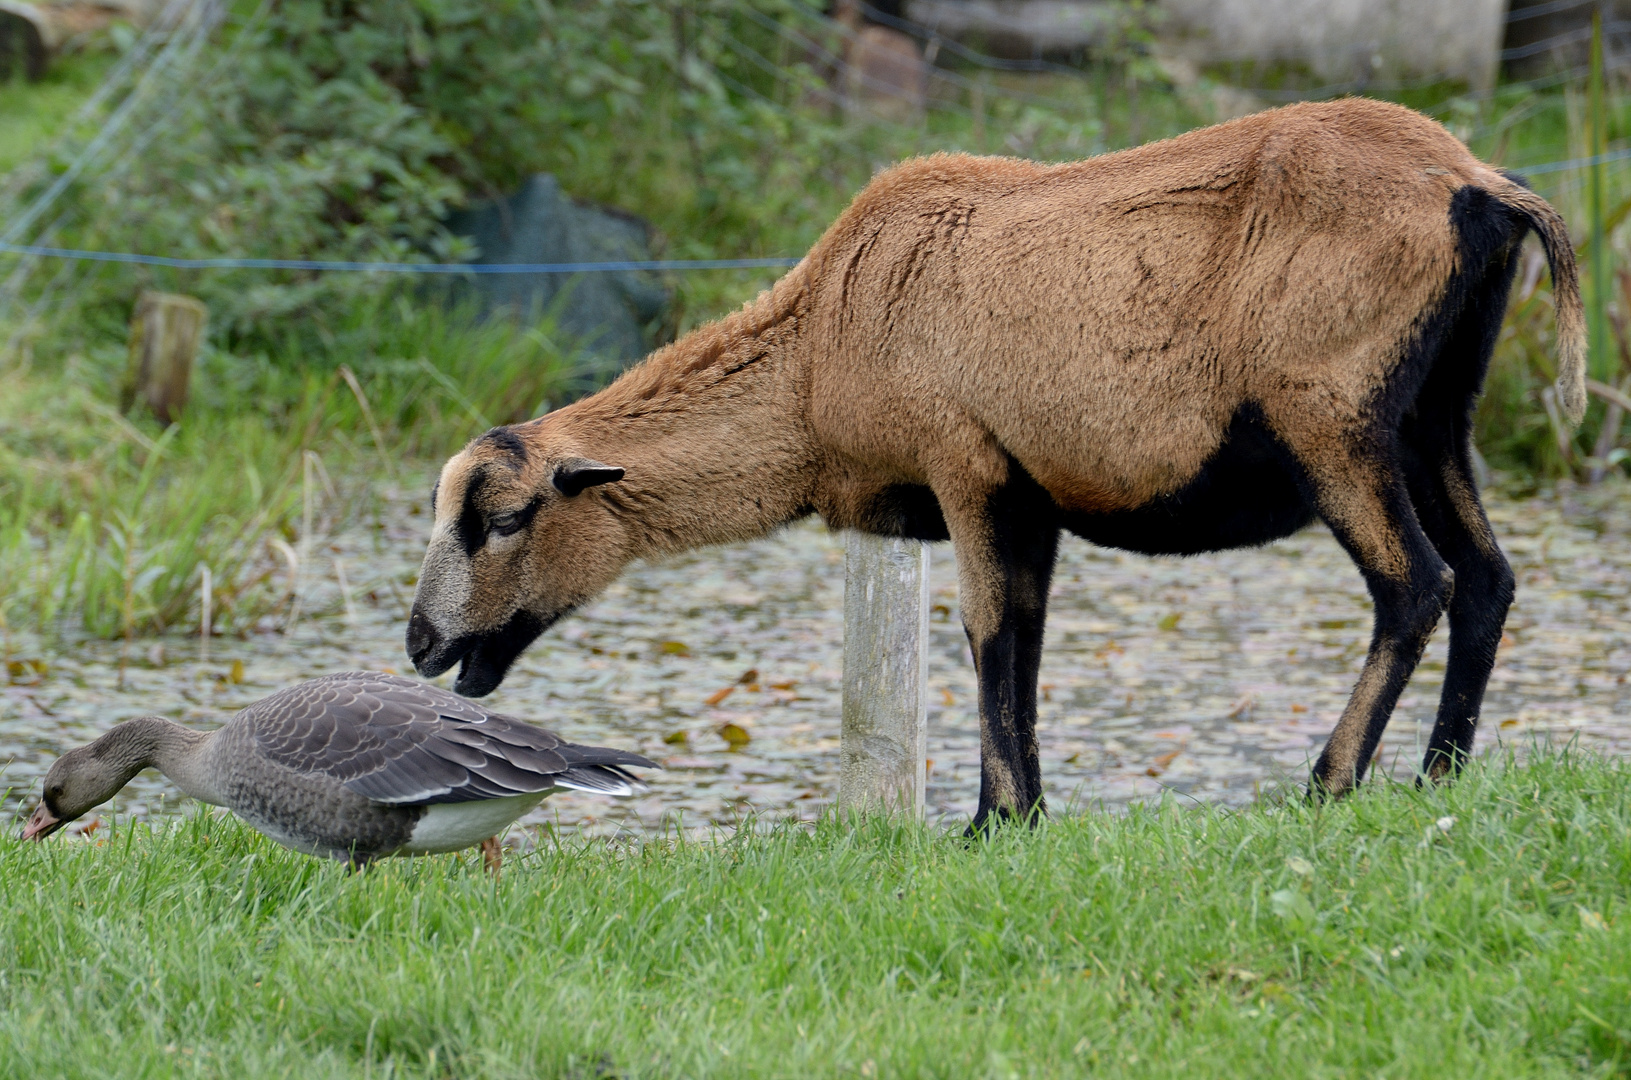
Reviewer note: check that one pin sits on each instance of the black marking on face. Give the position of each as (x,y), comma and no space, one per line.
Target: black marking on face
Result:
(486,658)
(472,527)
(512,522)
(505,439)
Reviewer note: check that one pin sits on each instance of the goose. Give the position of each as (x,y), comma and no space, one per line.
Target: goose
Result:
(353,766)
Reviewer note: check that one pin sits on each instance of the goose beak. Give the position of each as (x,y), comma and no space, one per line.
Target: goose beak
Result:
(42,824)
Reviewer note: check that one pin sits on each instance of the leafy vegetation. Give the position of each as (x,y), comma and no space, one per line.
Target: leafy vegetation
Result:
(1482,929)
(107,520)
(304,129)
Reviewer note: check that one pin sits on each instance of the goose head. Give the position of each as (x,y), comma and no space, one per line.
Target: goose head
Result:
(90,775)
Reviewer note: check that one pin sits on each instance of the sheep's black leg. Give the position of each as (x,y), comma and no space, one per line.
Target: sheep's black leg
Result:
(1365,502)
(1437,444)
(1006,544)
(1446,500)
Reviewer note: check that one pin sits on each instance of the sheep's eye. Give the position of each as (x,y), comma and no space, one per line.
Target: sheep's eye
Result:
(505,524)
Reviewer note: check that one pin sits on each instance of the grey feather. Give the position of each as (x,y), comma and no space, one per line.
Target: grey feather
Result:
(405,743)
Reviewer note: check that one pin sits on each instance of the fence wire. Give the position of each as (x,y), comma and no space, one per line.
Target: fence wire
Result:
(148,86)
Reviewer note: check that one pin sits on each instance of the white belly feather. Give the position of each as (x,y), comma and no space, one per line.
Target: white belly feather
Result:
(454,826)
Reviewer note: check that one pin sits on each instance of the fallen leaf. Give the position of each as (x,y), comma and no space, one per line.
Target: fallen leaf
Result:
(1299,708)
(1160,764)
(946,698)
(23,670)
(675,738)
(1170,622)
(941,610)
(736,735)
(1508,725)
(751,675)
(1299,865)
(235,674)
(717,696)
(788,685)
(674,648)
(1241,707)
(1047,691)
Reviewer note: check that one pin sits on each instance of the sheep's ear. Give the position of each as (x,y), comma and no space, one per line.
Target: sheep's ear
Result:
(575,474)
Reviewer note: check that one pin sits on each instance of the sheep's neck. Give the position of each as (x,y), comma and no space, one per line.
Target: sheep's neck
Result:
(713,432)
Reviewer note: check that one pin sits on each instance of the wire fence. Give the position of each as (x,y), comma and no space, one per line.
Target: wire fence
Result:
(145,89)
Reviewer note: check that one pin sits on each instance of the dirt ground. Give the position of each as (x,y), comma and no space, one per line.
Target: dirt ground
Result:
(1211,678)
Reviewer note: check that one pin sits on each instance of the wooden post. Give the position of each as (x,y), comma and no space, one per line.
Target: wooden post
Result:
(26,41)
(165,330)
(886,636)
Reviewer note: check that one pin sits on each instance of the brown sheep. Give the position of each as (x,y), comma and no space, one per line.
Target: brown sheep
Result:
(1199,344)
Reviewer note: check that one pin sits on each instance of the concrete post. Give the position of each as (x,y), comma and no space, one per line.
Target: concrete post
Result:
(886,637)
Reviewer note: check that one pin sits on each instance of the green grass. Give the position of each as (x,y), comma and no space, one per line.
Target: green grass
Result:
(32,114)
(105,520)
(1357,939)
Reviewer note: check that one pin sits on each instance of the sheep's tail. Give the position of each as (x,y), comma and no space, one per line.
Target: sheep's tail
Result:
(1571,316)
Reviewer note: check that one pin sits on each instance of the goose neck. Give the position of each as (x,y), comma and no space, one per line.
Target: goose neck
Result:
(178,752)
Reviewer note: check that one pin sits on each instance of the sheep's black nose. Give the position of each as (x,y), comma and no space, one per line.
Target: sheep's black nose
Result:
(422,638)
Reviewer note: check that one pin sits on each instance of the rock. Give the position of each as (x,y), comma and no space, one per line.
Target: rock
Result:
(1021,29)
(615,316)
(885,74)
(882,72)
(1356,41)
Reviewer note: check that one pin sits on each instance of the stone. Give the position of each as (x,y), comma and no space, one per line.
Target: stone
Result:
(885,73)
(614,316)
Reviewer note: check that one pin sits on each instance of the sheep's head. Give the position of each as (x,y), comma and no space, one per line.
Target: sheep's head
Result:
(519,540)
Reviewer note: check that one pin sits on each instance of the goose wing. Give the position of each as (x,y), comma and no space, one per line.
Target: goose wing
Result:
(406,743)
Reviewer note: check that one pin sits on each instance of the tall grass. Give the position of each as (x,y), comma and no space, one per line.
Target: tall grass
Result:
(1479,930)
(106,520)
(32,114)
